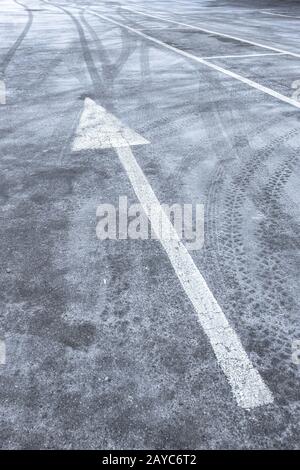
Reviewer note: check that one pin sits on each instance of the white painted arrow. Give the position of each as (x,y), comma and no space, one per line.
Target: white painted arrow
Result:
(99,129)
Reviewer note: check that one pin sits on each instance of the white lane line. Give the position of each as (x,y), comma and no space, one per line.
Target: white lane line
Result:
(279,14)
(2,352)
(247,385)
(242,55)
(213,32)
(234,75)
(2,92)
(156,28)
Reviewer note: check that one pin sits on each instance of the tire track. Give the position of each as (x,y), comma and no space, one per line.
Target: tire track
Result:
(110,70)
(96,79)
(257,285)
(10,54)
(277,228)
(156,122)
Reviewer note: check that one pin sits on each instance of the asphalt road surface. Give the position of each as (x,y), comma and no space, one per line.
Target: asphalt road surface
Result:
(140,343)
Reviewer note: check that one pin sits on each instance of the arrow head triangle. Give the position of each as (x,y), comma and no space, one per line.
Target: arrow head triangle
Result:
(98,129)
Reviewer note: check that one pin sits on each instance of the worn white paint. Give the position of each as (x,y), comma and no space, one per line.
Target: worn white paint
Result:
(247,385)
(2,352)
(217,33)
(98,129)
(280,14)
(240,78)
(241,56)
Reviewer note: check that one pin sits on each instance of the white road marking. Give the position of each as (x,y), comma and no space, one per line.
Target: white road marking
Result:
(247,385)
(156,28)
(2,352)
(113,133)
(241,55)
(2,92)
(279,14)
(251,83)
(253,43)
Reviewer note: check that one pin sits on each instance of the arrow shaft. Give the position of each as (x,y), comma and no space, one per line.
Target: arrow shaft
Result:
(246,383)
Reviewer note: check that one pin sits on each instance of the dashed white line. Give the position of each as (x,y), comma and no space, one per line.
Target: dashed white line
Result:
(251,83)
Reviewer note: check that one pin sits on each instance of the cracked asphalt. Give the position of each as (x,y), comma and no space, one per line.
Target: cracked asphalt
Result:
(104,349)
